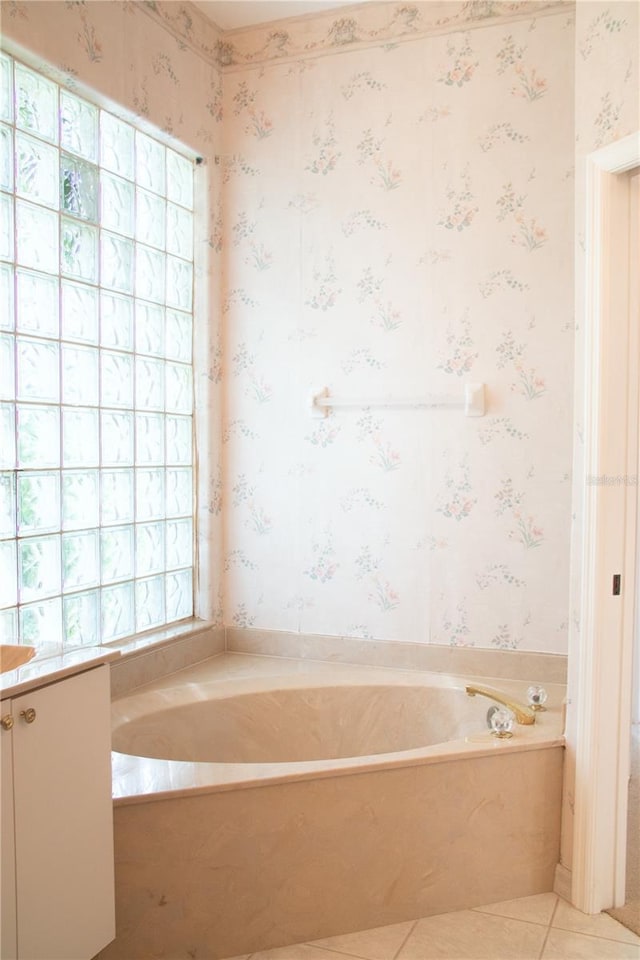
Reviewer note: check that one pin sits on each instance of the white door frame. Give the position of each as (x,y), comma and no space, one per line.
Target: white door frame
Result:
(604,678)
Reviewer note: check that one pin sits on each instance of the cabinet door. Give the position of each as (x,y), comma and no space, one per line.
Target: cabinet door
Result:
(8,948)
(64,819)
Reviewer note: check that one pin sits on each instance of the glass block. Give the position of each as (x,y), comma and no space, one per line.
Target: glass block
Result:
(41,624)
(38,502)
(79,312)
(81,618)
(150,268)
(149,603)
(6,157)
(179,543)
(179,336)
(149,494)
(116,554)
(116,380)
(179,440)
(150,163)
(7,505)
(78,126)
(178,388)
(80,560)
(149,548)
(38,436)
(79,375)
(116,326)
(179,179)
(9,626)
(116,499)
(80,440)
(116,262)
(179,231)
(36,170)
(38,568)
(116,145)
(179,283)
(78,188)
(150,219)
(7,367)
(36,103)
(6,87)
(8,574)
(116,439)
(149,328)
(117,612)
(149,438)
(6,227)
(79,499)
(37,303)
(117,204)
(7,319)
(37,232)
(79,256)
(7,436)
(179,491)
(179,595)
(149,384)
(38,363)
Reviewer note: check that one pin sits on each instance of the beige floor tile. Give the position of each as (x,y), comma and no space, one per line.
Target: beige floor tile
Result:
(299,951)
(600,925)
(536,909)
(470,935)
(563,945)
(379,943)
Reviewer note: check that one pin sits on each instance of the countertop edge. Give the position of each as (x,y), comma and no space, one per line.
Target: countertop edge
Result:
(39,673)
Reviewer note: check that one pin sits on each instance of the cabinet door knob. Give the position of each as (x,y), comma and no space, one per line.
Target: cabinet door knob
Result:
(7,722)
(28,715)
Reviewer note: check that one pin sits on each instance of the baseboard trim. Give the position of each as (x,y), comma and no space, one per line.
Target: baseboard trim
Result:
(562,882)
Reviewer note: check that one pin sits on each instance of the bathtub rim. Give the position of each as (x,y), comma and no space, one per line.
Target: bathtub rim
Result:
(142,779)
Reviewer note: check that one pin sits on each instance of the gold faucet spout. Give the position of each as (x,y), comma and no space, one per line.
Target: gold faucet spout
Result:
(522,713)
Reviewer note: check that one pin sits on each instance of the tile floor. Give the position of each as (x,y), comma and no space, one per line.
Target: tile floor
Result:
(543,927)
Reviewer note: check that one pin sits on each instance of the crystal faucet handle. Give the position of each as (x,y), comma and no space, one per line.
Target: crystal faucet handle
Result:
(536,697)
(501,723)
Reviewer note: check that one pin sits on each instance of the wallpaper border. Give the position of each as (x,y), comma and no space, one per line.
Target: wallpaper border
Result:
(372,24)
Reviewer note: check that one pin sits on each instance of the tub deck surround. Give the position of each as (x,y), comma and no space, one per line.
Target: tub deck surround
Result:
(400,718)
(157,653)
(242,856)
(437,658)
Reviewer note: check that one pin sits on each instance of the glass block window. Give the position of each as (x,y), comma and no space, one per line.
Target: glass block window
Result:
(96,409)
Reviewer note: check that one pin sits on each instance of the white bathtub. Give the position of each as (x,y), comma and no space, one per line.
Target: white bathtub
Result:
(262,801)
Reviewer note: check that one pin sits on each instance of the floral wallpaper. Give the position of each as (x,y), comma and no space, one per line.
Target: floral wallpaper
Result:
(390,203)
(124,52)
(398,221)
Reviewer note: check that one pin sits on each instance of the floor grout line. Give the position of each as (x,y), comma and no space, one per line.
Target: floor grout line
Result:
(549,928)
(334,951)
(597,936)
(404,942)
(504,916)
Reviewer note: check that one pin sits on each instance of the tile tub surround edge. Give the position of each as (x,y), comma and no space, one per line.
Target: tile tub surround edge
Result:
(139,667)
(405,655)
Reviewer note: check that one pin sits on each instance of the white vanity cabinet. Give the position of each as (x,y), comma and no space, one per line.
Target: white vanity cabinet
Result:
(57,880)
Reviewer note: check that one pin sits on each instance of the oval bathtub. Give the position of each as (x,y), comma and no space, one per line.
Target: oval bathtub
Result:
(293,725)
(303,799)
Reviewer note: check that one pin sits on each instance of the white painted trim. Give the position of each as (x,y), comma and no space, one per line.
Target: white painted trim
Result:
(604,675)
